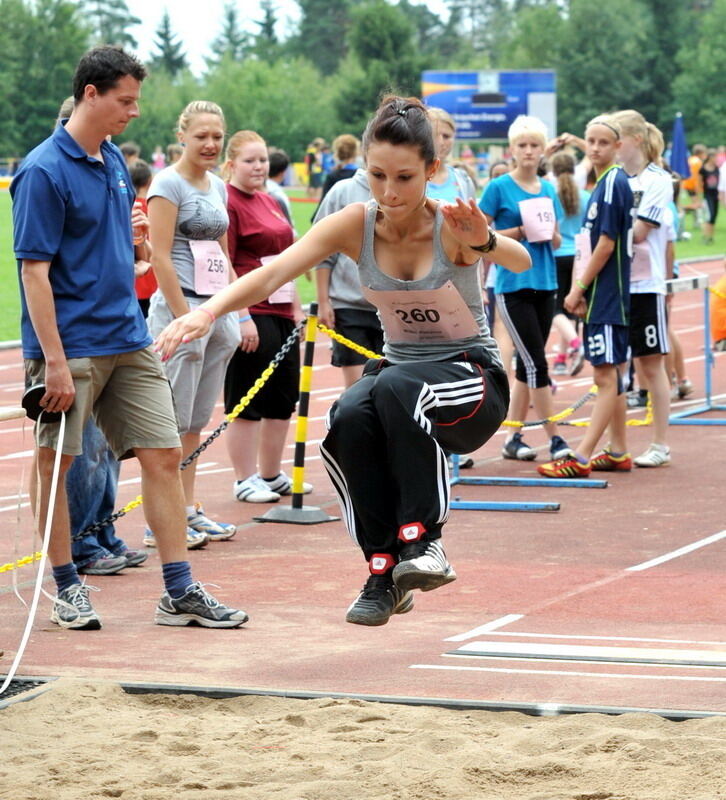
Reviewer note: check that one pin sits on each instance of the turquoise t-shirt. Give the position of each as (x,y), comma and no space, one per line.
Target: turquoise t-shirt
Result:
(500,201)
(571,226)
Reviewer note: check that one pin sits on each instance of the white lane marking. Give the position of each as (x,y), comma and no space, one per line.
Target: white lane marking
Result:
(488,627)
(570,673)
(528,635)
(689,548)
(646,655)
(14,507)
(20,454)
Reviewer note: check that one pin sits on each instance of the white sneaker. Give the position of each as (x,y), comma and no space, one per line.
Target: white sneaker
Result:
(657,455)
(195,539)
(216,531)
(254,490)
(282,484)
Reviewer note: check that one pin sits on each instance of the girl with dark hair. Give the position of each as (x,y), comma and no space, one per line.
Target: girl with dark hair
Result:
(574,202)
(440,385)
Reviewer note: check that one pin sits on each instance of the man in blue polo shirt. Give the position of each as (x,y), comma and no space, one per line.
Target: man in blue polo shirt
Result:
(84,336)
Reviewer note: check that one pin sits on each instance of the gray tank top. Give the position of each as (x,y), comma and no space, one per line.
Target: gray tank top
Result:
(466,280)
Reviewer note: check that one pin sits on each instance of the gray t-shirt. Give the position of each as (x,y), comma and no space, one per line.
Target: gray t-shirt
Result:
(202,216)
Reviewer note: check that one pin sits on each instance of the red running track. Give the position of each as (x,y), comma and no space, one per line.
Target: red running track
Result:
(557,609)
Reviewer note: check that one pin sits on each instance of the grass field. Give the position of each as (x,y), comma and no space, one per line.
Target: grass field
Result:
(10,306)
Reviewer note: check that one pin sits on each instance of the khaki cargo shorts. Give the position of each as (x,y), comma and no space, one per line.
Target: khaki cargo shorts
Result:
(129,396)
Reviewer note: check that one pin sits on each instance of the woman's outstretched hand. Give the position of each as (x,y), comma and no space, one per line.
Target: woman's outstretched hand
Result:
(466,222)
(192,325)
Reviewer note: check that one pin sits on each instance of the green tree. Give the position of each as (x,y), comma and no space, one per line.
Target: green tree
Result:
(380,32)
(288,103)
(698,87)
(322,33)
(232,42)
(535,38)
(169,56)
(41,46)
(110,22)
(383,59)
(484,27)
(267,45)
(599,73)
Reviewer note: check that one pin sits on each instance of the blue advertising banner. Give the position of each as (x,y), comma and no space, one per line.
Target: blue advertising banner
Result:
(485,103)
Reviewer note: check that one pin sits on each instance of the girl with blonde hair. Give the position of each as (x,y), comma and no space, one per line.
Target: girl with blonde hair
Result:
(640,153)
(526,208)
(188,231)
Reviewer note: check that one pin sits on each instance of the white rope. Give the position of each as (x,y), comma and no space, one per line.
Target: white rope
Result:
(44,555)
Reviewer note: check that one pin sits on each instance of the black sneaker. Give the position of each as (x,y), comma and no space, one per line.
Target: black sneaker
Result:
(73,610)
(559,448)
(379,599)
(423,565)
(197,607)
(517,450)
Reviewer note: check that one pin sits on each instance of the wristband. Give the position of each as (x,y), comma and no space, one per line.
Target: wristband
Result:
(206,311)
(581,284)
(245,318)
(489,246)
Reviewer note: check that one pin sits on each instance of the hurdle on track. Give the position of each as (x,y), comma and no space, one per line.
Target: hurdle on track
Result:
(699,281)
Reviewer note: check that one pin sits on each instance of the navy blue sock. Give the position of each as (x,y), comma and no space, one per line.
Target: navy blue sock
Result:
(65,576)
(177,577)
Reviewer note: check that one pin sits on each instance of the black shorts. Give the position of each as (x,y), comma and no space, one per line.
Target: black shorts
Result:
(361,327)
(648,325)
(279,395)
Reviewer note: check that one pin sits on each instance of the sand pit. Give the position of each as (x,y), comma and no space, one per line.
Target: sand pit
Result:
(88,741)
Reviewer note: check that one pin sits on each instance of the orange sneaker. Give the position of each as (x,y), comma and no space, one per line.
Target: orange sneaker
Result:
(567,467)
(605,461)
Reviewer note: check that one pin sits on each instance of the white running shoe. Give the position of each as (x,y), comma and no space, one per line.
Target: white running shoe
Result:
(254,490)
(216,531)
(282,484)
(657,455)
(423,565)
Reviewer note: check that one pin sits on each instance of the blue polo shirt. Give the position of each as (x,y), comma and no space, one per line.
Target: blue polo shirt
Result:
(500,201)
(75,212)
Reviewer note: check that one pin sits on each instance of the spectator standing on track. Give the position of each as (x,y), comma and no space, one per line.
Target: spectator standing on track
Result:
(574,202)
(278,163)
(145,283)
(188,230)
(258,231)
(449,182)
(600,293)
(709,176)
(640,154)
(440,385)
(526,208)
(84,336)
(91,484)
(692,183)
(341,304)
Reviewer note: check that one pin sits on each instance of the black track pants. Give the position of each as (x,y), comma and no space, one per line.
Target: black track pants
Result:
(387,434)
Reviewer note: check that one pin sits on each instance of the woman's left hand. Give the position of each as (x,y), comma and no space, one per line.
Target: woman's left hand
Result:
(183,329)
(466,222)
